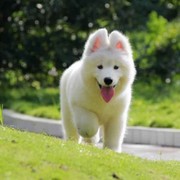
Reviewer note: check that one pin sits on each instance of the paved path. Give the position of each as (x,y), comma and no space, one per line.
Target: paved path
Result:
(152,152)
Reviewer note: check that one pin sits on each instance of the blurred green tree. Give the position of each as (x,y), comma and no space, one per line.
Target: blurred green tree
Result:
(38,39)
(157,51)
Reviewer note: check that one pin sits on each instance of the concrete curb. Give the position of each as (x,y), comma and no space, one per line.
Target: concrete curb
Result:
(33,124)
(135,135)
(153,136)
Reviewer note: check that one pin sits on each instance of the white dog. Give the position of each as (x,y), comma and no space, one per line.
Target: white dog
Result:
(96,90)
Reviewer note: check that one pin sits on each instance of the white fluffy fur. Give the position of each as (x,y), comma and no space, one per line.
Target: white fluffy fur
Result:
(83,109)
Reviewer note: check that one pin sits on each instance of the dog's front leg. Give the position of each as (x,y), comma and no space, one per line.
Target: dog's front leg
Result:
(114,131)
(87,124)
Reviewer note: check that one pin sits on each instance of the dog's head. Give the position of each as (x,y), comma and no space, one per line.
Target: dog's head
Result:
(108,60)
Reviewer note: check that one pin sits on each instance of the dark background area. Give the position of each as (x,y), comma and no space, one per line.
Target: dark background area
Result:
(39,39)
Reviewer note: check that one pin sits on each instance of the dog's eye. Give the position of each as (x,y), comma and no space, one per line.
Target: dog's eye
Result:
(100,67)
(116,67)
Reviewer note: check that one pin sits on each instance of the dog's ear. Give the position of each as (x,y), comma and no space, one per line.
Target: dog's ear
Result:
(120,42)
(96,41)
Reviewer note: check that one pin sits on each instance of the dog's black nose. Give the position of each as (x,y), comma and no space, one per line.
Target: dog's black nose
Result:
(108,81)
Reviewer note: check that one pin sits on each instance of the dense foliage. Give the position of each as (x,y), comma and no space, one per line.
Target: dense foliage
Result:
(38,39)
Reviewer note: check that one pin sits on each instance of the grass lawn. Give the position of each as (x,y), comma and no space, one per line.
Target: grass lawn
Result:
(35,102)
(25,155)
(156,106)
(152,106)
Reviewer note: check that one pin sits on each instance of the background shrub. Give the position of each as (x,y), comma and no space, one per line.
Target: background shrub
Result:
(38,39)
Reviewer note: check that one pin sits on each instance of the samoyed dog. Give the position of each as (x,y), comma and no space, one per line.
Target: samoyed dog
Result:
(96,90)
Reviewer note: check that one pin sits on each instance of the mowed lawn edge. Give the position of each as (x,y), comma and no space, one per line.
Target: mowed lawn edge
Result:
(27,155)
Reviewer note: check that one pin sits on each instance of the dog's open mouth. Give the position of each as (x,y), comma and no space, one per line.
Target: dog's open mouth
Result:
(107,92)
(100,86)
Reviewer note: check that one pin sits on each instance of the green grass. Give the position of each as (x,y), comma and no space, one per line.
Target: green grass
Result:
(35,102)
(155,106)
(25,155)
(1,114)
(152,105)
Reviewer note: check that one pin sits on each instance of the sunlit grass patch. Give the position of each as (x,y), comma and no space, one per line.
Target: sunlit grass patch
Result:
(27,155)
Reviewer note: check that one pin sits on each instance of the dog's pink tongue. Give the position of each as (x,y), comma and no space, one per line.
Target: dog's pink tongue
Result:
(107,93)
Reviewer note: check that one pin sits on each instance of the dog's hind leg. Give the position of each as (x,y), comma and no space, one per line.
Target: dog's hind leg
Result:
(69,128)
